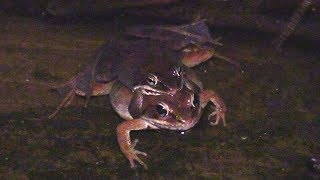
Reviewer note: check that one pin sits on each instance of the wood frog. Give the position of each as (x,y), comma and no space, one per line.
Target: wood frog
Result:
(146,66)
(193,41)
(150,84)
(180,111)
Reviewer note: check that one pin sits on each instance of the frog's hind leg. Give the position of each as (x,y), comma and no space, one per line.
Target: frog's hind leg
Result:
(65,102)
(99,89)
(67,89)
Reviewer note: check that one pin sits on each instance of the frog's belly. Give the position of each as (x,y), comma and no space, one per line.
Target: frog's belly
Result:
(120,97)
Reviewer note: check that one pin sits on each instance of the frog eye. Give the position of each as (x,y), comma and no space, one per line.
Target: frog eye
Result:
(162,109)
(194,100)
(152,79)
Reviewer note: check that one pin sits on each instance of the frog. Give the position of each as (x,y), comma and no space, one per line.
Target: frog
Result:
(136,99)
(178,112)
(146,66)
(141,65)
(193,41)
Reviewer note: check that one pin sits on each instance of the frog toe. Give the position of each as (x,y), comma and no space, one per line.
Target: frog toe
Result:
(137,151)
(140,152)
(219,116)
(133,158)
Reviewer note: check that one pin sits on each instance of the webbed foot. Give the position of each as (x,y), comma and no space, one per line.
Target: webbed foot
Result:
(132,156)
(220,115)
(220,107)
(128,148)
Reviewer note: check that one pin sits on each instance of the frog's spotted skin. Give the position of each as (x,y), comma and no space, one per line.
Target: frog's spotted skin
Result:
(193,41)
(150,85)
(162,52)
(177,112)
(143,66)
(180,112)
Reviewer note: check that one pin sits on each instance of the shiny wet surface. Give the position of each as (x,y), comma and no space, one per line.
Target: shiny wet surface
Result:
(273,110)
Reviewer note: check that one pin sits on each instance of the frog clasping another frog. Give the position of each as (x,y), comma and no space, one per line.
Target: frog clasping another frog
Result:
(150,83)
(180,111)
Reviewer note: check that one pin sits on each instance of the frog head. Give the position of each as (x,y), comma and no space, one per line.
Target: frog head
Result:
(168,81)
(150,68)
(180,111)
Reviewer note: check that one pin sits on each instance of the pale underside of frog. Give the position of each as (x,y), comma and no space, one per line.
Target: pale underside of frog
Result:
(150,69)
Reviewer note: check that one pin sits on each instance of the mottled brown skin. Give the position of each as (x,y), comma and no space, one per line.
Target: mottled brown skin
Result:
(181,114)
(179,103)
(143,66)
(136,62)
(183,111)
(193,56)
(193,41)
(139,105)
(151,65)
(144,60)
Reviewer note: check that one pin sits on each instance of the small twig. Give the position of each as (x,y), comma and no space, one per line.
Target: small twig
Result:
(295,20)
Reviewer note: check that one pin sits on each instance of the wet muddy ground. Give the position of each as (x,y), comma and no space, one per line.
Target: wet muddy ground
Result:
(273,102)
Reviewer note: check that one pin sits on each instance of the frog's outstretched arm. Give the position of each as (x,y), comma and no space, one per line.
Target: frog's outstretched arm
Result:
(207,96)
(128,148)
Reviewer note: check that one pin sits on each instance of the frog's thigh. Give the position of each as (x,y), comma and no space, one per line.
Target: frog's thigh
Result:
(100,89)
(196,56)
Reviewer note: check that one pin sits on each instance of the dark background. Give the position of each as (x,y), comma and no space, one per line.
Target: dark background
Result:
(272,98)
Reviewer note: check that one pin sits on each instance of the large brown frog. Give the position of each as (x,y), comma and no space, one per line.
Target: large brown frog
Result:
(180,111)
(148,78)
(146,66)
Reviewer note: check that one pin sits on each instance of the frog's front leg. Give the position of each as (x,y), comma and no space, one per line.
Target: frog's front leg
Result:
(220,110)
(128,148)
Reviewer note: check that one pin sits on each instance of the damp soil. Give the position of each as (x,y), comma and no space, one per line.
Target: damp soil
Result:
(272,99)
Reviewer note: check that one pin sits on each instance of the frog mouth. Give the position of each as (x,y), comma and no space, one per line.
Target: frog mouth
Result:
(147,90)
